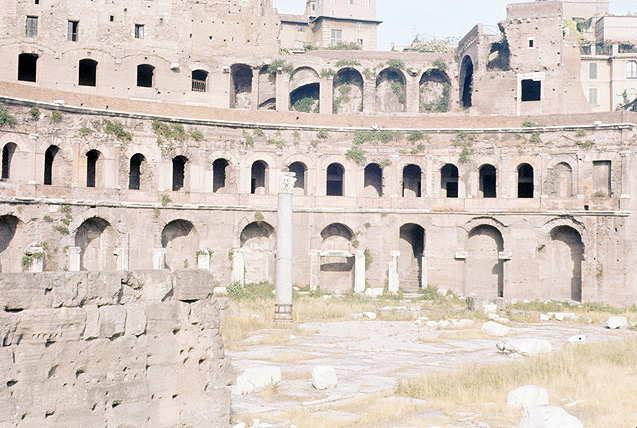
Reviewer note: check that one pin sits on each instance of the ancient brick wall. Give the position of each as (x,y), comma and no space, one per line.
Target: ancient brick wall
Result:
(118,349)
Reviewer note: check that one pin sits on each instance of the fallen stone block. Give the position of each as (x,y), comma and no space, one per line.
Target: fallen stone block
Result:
(370,315)
(463,323)
(324,377)
(444,324)
(256,378)
(193,284)
(545,317)
(495,329)
(616,323)
(527,396)
(526,347)
(374,292)
(548,417)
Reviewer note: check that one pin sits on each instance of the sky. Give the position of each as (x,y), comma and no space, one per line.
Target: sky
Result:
(403,19)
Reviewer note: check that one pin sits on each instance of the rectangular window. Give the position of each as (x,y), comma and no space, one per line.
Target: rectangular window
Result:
(531,43)
(531,90)
(592,96)
(602,178)
(336,37)
(300,28)
(360,42)
(139,31)
(32,26)
(72,31)
(592,70)
(359,25)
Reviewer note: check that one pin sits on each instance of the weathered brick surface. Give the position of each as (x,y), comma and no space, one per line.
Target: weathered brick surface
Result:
(145,363)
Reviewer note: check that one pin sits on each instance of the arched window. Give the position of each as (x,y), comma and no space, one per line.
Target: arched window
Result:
(299,170)
(135,171)
(631,70)
(412,181)
(525,181)
(335,176)
(7,156)
(199,80)
(259,182)
(488,181)
(49,157)
(87,72)
(219,175)
(374,180)
(449,181)
(145,75)
(92,159)
(179,172)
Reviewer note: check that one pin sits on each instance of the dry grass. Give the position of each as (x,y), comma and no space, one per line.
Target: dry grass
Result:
(601,377)
(291,357)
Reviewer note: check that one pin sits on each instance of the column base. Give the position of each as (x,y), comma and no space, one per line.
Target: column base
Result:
(283,313)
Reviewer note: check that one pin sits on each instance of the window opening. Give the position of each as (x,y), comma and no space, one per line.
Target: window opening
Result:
(488,181)
(335,173)
(199,80)
(145,74)
(87,73)
(49,157)
(449,181)
(139,31)
(135,171)
(27,67)
(525,181)
(179,172)
(72,33)
(32,26)
(7,157)
(531,90)
(219,168)
(91,167)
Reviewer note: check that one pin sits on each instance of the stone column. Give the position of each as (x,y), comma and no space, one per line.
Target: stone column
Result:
(326,95)
(254,95)
(203,260)
(315,269)
(412,92)
(159,258)
(282,91)
(394,280)
(113,180)
(73,254)
(122,258)
(369,97)
(283,301)
(359,272)
(238,266)
(624,197)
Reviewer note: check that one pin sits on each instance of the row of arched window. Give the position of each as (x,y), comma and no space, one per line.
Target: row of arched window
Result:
(412,176)
(348,85)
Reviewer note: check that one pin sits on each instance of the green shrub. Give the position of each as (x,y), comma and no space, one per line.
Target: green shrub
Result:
(6,118)
(56,116)
(116,129)
(35,112)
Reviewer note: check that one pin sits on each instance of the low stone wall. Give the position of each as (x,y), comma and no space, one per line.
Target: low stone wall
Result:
(115,349)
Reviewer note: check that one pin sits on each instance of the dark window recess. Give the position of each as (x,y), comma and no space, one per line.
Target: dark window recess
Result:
(334,183)
(27,67)
(449,180)
(219,174)
(49,157)
(525,181)
(145,74)
(87,73)
(135,172)
(199,80)
(179,172)
(32,26)
(531,90)
(488,181)
(72,34)
(258,178)
(91,167)
(7,156)
(139,31)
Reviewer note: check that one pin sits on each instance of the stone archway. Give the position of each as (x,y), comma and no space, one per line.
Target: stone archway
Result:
(565,253)
(484,274)
(12,243)
(181,241)
(258,243)
(97,240)
(411,246)
(337,262)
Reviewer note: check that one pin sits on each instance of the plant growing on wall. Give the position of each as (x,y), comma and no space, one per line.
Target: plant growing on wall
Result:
(347,63)
(116,129)
(327,72)
(56,116)
(357,154)
(282,64)
(465,142)
(35,112)
(322,134)
(6,118)
(28,259)
(396,64)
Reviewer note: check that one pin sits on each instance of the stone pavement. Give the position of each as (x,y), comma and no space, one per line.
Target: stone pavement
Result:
(371,357)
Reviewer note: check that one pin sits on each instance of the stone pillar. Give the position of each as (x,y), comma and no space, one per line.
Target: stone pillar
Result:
(73,254)
(412,92)
(283,301)
(624,197)
(326,95)
(315,269)
(203,260)
(36,257)
(282,91)
(359,272)
(122,258)
(238,266)
(75,179)
(394,280)
(159,258)
(254,95)
(369,97)
(424,275)
(113,181)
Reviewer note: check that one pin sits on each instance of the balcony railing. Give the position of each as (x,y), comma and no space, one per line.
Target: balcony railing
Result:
(198,85)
